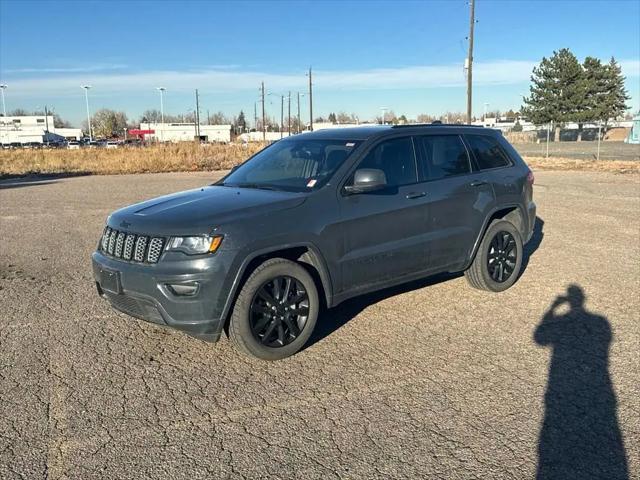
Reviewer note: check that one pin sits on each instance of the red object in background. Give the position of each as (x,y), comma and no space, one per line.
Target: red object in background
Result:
(135,131)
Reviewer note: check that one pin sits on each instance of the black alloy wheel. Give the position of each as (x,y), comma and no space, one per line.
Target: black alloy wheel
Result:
(502,256)
(279,311)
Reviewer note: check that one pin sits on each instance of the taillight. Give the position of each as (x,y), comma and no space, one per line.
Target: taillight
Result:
(530,177)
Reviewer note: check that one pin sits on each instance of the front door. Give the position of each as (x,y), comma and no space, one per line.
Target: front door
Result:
(384,231)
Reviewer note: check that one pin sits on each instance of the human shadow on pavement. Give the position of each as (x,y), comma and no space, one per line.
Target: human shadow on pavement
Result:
(580,437)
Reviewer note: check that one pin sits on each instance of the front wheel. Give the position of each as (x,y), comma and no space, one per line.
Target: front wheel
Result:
(276,310)
(498,260)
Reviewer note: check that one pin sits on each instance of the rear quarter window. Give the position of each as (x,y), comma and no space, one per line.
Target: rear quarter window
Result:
(487,152)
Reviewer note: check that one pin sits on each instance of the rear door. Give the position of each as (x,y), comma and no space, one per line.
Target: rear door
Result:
(384,231)
(459,198)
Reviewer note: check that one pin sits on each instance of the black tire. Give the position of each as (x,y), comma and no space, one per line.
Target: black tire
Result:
(498,260)
(248,313)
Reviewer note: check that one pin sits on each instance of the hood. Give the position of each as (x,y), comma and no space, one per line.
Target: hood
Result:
(198,211)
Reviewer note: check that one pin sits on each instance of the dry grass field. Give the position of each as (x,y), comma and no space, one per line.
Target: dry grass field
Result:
(186,157)
(179,157)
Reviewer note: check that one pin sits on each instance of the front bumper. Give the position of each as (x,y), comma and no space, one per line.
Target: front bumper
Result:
(140,290)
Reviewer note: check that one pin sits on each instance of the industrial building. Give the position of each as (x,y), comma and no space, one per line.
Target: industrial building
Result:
(183,132)
(34,129)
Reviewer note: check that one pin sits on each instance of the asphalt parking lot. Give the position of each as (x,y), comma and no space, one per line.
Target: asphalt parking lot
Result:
(431,380)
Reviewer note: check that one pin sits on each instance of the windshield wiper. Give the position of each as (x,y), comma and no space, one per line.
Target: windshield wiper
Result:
(260,186)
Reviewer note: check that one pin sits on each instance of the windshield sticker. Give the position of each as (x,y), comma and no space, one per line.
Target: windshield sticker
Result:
(311,183)
(350,144)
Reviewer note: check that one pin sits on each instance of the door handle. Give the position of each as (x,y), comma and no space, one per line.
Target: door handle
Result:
(478,183)
(412,195)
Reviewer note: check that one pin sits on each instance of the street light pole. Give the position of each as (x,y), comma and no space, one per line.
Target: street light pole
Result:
(281,114)
(299,121)
(264,125)
(310,102)
(86,98)
(4,107)
(289,115)
(161,90)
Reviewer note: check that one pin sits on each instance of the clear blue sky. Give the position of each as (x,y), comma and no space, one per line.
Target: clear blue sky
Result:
(404,55)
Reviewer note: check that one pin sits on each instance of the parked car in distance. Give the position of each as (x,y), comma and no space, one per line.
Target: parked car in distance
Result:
(112,144)
(313,220)
(73,145)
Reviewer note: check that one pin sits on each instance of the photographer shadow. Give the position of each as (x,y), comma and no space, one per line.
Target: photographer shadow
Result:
(580,437)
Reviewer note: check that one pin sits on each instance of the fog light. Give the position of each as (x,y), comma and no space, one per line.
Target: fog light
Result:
(184,289)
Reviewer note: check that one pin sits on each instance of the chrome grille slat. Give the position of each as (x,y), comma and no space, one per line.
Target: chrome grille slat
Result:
(119,244)
(155,249)
(105,238)
(112,242)
(141,247)
(129,242)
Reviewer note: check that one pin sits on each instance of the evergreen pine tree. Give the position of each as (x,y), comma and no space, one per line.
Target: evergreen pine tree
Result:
(557,93)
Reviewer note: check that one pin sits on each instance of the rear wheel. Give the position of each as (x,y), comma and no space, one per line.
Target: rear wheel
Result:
(276,310)
(497,263)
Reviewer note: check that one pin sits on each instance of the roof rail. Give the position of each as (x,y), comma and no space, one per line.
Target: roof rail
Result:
(437,123)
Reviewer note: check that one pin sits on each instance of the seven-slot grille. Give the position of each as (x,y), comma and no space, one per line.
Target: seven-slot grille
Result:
(131,247)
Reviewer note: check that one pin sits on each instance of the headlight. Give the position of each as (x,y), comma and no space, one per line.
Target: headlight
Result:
(195,245)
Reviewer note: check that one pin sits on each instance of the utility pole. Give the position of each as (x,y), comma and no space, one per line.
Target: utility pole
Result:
(46,121)
(255,116)
(4,107)
(197,119)
(299,121)
(281,114)
(264,125)
(289,115)
(310,102)
(86,99)
(161,90)
(208,118)
(470,59)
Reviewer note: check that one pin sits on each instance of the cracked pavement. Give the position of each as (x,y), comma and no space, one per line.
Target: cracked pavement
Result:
(429,380)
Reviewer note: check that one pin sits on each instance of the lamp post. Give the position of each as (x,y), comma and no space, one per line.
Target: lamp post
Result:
(384,110)
(486,107)
(86,98)
(161,90)
(4,107)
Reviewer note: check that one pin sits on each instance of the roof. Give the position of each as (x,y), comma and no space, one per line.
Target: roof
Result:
(368,131)
(349,133)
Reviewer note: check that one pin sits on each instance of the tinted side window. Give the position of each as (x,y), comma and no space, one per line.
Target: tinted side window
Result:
(487,152)
(396,159)
(443,156)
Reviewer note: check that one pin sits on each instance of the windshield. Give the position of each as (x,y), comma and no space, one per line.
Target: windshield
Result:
(293,164)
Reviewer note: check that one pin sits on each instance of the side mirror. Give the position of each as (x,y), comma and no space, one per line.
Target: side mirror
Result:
(366,180)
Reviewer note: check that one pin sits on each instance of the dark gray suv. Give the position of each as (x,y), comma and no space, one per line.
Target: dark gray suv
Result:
(313,220)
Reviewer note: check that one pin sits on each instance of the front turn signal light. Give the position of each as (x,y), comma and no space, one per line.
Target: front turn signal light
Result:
(215,243)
